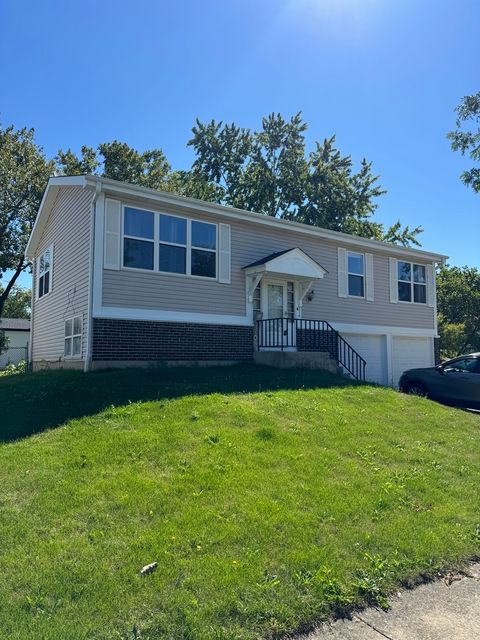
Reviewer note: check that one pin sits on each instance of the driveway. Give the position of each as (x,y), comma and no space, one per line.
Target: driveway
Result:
(447,609)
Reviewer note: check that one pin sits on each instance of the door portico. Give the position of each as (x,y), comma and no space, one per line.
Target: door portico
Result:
(276,286)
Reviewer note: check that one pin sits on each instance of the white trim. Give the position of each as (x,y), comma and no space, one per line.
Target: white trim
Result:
(369,278)
(156,241)
(393,280)
(49,271)
(78,356)
(361,275)
(125,313)
(342,272)
(224,257)
(289,266)
(112,218)
(412,283)
(373,329)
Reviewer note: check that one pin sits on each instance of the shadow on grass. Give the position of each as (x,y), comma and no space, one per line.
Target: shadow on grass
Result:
(34,402)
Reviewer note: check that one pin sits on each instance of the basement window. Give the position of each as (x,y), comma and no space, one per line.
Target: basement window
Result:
(73,337)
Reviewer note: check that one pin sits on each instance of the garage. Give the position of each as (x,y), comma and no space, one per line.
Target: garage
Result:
(410,353)
(373,350)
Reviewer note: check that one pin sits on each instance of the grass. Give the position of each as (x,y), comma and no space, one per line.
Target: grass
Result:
(269,500)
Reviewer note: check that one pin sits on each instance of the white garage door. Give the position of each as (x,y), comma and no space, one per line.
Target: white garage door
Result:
(410,353)
(373,350)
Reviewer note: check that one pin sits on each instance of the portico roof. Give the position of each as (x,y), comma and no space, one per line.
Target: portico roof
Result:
(292,263)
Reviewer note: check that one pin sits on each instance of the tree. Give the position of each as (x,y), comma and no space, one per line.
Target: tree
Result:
(458,296)
(24,172)
(4,341)
(18,303)
(118,161)
(269,171)
(468,142)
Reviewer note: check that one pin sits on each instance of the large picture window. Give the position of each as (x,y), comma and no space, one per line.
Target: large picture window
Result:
(44,273)
(170,244)
(73,337)
(356,274)
(412,282)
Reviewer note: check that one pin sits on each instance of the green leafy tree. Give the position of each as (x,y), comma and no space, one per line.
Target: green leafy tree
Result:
(3,341)
(458,296)
(118,161)
(269,171)
(24,172)
(18,303)
(468,142)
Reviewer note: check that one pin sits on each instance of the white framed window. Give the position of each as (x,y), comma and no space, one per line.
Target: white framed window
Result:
(138,238)
(411,282)
(73,337)
(169,244)
(356,274)
(44,273)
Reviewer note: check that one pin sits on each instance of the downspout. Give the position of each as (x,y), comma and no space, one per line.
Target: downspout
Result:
(88,355)
(32,316)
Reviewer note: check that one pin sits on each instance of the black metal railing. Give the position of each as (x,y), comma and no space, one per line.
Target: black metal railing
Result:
(309,335)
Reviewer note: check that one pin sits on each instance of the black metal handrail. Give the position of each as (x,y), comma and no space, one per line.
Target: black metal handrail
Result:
(310,335)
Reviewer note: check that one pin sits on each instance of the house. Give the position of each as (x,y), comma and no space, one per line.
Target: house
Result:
(125,275)
(17,331)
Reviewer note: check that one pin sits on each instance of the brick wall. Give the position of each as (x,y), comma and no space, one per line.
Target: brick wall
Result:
(169,341)
(317,340)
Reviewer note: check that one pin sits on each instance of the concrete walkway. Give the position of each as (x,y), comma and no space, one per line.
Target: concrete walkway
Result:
(441,610)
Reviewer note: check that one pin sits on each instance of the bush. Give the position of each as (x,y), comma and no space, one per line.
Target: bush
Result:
(12,369)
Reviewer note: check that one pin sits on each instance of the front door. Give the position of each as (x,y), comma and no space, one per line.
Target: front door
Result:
(277,303)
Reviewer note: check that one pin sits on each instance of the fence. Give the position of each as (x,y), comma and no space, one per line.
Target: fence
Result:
(13,355)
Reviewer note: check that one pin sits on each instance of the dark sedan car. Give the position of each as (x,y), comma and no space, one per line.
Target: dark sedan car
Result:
(455,381)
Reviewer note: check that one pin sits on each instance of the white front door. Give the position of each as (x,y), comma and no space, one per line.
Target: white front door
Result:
(281,330)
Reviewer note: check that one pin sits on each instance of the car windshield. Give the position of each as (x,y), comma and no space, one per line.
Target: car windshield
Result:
(471,365)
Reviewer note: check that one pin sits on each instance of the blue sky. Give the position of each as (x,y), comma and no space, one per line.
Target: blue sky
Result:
(383,75)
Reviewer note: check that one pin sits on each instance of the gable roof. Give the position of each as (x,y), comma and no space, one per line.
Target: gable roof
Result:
(114,188)
(291,262)
(272,256)
(14,324)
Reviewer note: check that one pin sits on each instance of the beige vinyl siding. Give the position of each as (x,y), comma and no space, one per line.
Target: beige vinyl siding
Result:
(68,230)
(250,242)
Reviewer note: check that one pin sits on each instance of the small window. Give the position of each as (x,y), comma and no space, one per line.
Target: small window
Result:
(73,337)
(356,275)
(412,282)
(44,273)
(204,245)
(138,239)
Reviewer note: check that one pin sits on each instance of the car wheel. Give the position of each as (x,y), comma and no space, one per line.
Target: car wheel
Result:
(416,389)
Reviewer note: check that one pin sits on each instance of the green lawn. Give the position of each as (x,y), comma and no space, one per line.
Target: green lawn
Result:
(269,500)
